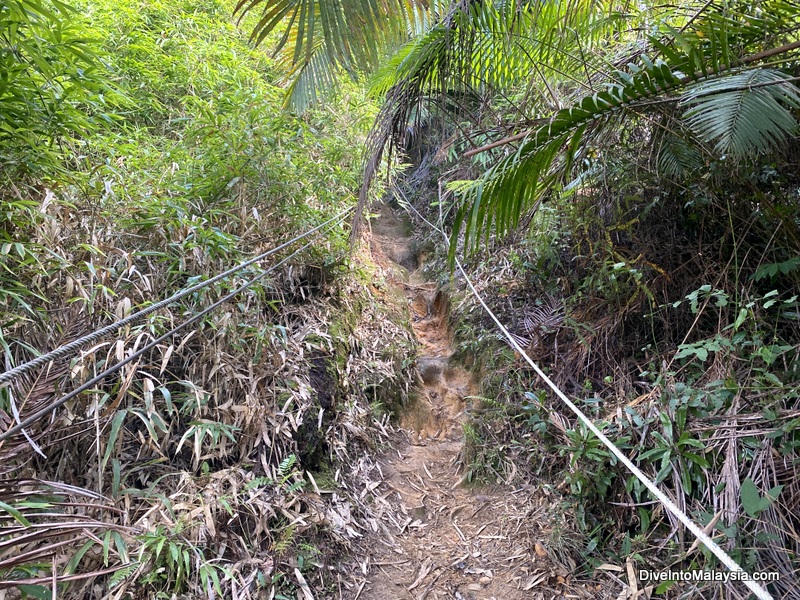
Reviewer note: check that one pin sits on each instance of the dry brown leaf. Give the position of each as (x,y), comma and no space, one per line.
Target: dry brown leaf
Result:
(424,570)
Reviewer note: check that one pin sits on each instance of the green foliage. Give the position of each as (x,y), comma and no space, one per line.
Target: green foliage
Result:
(672,430)
(752,501)
(214,431)
(743,114)
(172,560)
(592,479)
(156,158)
(212,93)
(726,110)
(175,161)
(489,46)
(710,71)
(53,87)
(772,270)
(668,151)
(321,39)
(678,158)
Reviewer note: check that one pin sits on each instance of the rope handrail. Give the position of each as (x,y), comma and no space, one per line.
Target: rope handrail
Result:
(70,347)
(759,591)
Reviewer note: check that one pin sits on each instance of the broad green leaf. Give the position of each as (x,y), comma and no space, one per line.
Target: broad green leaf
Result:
(751,499)
(36,591)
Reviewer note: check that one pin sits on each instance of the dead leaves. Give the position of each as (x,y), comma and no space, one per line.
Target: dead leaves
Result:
(424,569)
(235,392)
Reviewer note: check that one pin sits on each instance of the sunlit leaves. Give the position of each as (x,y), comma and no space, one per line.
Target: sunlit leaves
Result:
(322,38)
(51,79)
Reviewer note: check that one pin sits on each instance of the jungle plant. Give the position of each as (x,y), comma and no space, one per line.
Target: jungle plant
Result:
(172,563)
(104,213)
(709,87)
(323,38)
(54,89)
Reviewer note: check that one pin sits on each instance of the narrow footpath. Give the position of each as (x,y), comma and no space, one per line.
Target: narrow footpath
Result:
(440,538)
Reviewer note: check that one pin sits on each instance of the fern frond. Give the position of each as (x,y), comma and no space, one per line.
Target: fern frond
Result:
(122,574)
(285,468)
(295,487)
(287,537)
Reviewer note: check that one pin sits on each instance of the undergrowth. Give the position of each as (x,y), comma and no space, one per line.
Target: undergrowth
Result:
(669,311)
(149,152)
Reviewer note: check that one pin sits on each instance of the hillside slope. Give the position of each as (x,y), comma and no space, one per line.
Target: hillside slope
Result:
(226,461)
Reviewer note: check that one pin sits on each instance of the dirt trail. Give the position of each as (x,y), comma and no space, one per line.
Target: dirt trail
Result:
(439,539)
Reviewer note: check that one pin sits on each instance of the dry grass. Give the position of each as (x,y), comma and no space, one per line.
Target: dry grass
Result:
(229,462)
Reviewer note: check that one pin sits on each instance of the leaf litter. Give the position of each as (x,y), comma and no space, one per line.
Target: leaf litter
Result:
(438,537)
(226,448)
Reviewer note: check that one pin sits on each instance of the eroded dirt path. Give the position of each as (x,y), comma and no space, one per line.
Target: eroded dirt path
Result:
(439,539)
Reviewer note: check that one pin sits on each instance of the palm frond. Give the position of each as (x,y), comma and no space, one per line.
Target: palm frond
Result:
(352,34)
(308,79)
(496,45)
(520,180)
(677,157)
(515,183)
(473,51)
(743,114)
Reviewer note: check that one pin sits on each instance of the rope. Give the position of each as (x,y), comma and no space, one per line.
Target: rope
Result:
(69,348)
(732,565)
(111,370)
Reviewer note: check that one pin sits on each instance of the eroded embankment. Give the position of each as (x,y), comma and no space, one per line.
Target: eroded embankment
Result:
(439,539)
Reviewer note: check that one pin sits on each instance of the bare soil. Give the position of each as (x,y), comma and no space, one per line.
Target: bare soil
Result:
(439,538)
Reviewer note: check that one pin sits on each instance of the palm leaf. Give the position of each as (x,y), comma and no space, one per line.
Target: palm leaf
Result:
(307,79)
(352,34)
(743,114)
(678,157)
(452,63)
(518,181)
(469,53)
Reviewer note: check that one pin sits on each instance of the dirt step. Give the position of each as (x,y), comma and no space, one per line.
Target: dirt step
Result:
(432,368)
(440,540)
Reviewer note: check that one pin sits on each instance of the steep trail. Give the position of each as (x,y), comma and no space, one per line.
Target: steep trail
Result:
(440,539)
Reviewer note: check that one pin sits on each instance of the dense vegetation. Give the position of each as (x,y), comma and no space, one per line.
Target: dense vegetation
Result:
(624,184)
(144,149)
(622,181)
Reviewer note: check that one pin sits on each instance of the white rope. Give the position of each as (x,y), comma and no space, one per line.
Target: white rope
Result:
(758,590)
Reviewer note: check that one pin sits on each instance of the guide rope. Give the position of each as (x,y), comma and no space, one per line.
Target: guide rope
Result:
(69,348)
(759,591)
